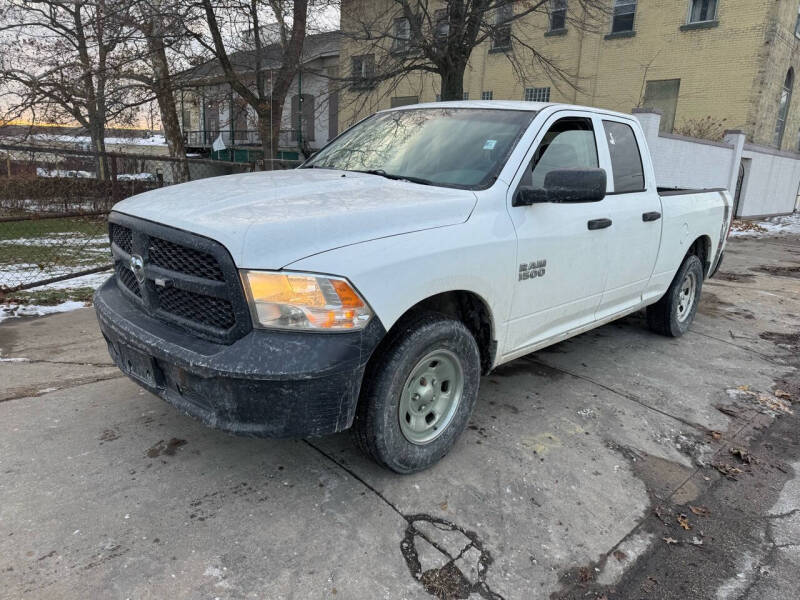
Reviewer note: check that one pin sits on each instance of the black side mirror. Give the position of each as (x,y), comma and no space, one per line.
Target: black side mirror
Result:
(565,186)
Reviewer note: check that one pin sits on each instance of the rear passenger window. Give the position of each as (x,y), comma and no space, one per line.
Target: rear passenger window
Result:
(626,161)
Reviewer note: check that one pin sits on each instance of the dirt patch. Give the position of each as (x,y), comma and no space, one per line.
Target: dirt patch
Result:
(735,277)
(162,448)
(779,271)
(790,341)
(109,435)
(712,306)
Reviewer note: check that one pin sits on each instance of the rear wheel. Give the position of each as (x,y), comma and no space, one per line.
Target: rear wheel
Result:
(675,312)
(418,394)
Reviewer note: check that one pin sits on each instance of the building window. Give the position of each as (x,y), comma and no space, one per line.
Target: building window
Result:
(402,35)
(558,15)
(465,96)
(663,95)
(487,95)
(624,13)
(537,94)
(441,25)
(702,10)
(363,70)
(783,108)
(501,36)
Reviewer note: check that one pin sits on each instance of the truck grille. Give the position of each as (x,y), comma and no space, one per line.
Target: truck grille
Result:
(180,278)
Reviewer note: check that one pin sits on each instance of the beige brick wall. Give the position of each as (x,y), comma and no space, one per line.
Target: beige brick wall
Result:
(733,71)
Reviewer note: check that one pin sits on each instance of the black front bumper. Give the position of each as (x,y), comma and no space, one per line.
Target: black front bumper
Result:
(266,384)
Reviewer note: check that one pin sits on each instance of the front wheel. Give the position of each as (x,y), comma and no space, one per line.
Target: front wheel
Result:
(674,313)
(418,394)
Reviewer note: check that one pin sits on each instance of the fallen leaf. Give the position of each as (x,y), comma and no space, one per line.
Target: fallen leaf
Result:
(620,555)
(783,395)
(743,455)
(716,435)
(696,541)
(683,521)
(443,505)
(670,540)
(743,388)
(700,511)
(729,471)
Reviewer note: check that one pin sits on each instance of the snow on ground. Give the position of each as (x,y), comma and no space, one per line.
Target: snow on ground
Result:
(785,225)
(8,311)
(153,140)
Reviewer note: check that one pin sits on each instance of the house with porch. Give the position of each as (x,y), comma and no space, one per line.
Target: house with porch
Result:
(216,122)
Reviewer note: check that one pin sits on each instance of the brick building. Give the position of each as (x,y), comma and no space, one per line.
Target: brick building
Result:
(729,59)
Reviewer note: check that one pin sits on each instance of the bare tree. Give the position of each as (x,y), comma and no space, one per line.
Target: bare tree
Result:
(56,64)
(439,37)
(263,84)
(161,25)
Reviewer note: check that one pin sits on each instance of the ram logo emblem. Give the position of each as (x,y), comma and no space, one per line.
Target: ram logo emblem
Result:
(137,266)
(532,270)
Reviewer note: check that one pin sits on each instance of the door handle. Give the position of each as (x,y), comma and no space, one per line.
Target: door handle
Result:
(651,216)
(599,224)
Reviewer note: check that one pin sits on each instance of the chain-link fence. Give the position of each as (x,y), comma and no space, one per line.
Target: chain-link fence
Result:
(54,203)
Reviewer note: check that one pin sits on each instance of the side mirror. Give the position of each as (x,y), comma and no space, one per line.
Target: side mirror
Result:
(564,186)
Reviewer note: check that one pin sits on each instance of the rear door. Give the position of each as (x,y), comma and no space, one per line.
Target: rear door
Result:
(634,207)
(561,263)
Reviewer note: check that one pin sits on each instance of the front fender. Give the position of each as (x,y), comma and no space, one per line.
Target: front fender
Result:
(394,274)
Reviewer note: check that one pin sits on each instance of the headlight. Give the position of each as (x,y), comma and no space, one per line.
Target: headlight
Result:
(304,301)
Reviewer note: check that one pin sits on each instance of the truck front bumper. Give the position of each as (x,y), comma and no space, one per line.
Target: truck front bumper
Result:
(266,384)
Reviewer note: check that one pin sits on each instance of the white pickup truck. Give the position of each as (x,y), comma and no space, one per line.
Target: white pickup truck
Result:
(371,287)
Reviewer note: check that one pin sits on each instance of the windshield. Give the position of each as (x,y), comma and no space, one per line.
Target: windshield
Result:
(452,147)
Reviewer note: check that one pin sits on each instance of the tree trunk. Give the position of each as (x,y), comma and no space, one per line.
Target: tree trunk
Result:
(453,81)
(169,113)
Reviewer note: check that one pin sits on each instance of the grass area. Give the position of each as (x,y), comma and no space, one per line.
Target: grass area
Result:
(49,297)
(35,228)
(39,249)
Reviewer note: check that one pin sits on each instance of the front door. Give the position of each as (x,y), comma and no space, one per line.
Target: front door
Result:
(561,262)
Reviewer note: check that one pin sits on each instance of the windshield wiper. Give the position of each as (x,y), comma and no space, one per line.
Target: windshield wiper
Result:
(382,173)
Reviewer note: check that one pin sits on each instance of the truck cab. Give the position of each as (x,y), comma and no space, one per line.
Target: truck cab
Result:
(371,287)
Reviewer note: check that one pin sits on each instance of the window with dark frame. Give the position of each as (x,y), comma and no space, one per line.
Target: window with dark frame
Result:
(624,16)
(363,70)
(626,158)
(783,108)
(441,25)
(487,95)
(402,35)
(501,36)
(558,15)
(568,144)
(701,11)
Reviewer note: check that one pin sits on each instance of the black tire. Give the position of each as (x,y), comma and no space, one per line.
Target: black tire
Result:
(376,429)
(663,316)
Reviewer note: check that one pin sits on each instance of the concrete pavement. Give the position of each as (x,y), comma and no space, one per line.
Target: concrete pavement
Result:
(106,491)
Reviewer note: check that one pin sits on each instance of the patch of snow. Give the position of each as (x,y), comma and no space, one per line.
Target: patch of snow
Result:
(136,177)
(734,586)
(153,140)
(17,360)
(785,225)
(42,172)
(8,311)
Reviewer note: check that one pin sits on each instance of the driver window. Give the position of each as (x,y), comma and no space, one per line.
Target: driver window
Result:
(568,144)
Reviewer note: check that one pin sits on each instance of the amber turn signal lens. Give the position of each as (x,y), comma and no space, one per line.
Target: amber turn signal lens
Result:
(304,301)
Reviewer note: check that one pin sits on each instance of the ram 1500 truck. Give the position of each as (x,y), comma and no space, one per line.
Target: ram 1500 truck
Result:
(373,285)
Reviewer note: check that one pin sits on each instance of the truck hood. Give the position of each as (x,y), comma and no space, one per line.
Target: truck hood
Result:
(268,220)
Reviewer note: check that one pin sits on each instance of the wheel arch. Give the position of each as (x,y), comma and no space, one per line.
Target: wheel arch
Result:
(701,248)
(466,306)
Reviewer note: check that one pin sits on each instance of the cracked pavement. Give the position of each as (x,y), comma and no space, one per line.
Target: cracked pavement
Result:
(578,462)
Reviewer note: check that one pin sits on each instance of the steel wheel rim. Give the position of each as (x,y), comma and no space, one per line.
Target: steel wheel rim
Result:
(686,296)
(430,397)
